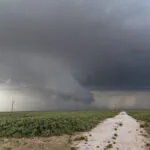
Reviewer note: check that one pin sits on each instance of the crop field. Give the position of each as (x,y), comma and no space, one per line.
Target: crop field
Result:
(142,115)
(44,124)
(40,130)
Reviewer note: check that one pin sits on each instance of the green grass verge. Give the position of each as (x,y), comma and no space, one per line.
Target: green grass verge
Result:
(142,115)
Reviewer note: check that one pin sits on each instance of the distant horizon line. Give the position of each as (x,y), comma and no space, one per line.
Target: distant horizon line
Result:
(114,88)
(125,109)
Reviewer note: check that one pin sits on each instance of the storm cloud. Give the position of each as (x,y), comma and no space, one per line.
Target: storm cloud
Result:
(60,49)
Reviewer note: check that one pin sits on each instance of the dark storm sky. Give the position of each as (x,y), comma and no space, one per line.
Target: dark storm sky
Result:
(65,46)
(106,43)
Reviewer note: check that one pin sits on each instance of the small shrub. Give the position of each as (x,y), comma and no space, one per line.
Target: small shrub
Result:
(120,124)
(146,125)
(109,146)
(141,125)
(73,148)
(147,144)
(81,138)
(115,134)
(7,148)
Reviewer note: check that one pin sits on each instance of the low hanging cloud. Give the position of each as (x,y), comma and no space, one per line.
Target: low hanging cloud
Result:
(40,82)
(53,52)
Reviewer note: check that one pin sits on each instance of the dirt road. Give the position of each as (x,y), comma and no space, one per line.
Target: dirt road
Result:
(119,133)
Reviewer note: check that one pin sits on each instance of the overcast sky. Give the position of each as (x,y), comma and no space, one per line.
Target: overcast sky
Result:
(65,47)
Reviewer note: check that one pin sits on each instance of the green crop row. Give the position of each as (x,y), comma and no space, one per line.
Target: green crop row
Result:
(31,124)
(142,115)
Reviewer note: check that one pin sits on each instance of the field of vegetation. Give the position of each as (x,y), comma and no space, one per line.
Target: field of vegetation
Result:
(142,115)
(28,130)
(35,124)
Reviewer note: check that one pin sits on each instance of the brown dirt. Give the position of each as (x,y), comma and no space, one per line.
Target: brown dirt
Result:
(50,143)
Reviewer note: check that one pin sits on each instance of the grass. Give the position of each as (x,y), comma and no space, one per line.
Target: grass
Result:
(142,115)
(145,125)
(22,124)
(81,138)
(45,124)
(115,129)
(7,148)
(114,142)
(73,148)
(109,146)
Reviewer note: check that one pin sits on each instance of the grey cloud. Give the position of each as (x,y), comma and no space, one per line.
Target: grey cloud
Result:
(67,46)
